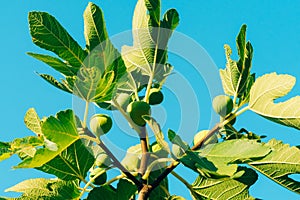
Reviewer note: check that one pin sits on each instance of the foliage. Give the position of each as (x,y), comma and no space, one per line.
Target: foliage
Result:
(64,146)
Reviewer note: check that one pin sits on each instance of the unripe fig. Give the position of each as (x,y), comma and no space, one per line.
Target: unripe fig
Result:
(101,179)
(100,124)
(156,96)
(136,110)
(202,134)
(103,160)
(223,105)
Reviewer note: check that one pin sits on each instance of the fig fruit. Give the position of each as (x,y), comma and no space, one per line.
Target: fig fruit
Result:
(101,179)
(201,135)
(103,160)
(222,105)
(136,111)
(100,124)
(156,96)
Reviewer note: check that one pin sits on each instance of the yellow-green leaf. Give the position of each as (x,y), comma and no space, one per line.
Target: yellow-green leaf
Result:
(270,87)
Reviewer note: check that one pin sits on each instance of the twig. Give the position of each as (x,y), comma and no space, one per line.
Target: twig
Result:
(145,151)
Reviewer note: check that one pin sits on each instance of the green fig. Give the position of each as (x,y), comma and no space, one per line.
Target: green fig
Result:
(136,111)
(100,179)
(202,134)
(223,105)
(103,160)
(156,96)
(100,124)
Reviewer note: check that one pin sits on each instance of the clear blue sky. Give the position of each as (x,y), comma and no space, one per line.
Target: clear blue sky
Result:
(273,28)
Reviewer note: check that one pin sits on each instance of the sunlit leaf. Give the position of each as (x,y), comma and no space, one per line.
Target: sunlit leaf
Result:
(47,33)
(56,64)
(150,38)
(61,130)
(41,188)
(279,164)
(33,122)
(73,163)
(5,150)
(225,188)
(221,159)
(235,77)
(270,87)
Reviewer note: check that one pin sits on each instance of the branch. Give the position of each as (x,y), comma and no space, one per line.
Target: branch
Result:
(145,151)
(116,161)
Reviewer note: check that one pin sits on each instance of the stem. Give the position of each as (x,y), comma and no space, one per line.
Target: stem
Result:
(148,88)
(86,112)
(87,184)
(145,151)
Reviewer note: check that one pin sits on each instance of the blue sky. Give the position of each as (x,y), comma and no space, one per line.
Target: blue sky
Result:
(273,29)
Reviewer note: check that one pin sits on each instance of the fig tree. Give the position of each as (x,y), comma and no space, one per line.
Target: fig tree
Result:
(222,105)
(156,96)
(100,124)
(136,111)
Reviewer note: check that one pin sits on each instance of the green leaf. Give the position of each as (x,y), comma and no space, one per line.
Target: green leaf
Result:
(73,163)
(155,127)
(41,188)
(125,189)
(225,188)
(153,6)
(221,159)
(94,26)
(175,139)
(105,65)
(235,76)
(50,79)
(279,164)
(150,37)
(55,63)
(33,122)
(270,87)
(102,193)
(60,130)
(162,190)
(5,150)
(48,34)
(27,146)
(92,87)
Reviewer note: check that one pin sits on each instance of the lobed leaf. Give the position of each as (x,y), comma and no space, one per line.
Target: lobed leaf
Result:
(73,163)
(60,130)
(33,122)
(48,34)
(270,87)
(41,188)
(225,188)
(279,164)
